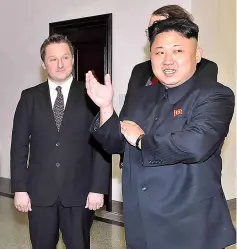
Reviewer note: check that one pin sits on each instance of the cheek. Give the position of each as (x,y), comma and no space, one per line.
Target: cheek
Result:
(50,68)
(68,64)
(156,63)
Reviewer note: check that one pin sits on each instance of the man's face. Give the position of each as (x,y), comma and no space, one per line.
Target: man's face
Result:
(155,18)
(58,61)
(174,58)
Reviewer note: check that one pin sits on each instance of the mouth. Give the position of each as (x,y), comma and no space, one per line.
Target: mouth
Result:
(169,72)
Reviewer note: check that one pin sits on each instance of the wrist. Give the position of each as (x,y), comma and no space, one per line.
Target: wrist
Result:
(107,109)
(139,141)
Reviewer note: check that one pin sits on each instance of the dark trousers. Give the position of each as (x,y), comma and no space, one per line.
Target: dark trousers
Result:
(74,223)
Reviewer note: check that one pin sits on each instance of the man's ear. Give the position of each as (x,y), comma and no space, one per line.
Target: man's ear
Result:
(43,65)
(199,54)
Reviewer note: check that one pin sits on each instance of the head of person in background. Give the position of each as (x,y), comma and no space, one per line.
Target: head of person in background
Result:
(57,57)
(167,11)
(174,50)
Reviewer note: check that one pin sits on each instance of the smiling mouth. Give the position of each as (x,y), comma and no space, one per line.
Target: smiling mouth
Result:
(169,72)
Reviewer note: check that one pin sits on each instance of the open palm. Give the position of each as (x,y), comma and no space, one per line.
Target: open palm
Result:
(101,95)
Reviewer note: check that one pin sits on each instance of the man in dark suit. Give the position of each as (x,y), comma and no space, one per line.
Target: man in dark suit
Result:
(58,173)
(171,136)
(142,74)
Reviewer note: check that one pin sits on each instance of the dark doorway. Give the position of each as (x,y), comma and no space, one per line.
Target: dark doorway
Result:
(92,41)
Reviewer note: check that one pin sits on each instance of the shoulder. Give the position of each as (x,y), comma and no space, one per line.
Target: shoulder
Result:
(143,66)
(32,90)
(207,64)
(208,87)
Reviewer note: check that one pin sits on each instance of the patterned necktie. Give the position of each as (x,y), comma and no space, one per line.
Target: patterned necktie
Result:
(58,108)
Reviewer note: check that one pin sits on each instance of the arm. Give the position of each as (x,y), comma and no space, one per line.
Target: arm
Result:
(106,127)
(199,139)
(20,146)
(109,134)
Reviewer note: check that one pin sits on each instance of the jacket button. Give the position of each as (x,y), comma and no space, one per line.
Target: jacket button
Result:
(143,188)
(57,144)
(57,164)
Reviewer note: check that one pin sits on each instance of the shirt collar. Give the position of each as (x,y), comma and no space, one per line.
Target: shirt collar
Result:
(65,85)
(177,93)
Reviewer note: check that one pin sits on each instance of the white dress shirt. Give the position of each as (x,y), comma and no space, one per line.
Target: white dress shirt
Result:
(65,90)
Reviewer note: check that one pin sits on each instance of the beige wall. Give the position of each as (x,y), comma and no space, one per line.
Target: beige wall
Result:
(217,23)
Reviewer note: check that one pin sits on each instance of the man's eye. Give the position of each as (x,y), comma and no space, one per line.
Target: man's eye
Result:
(178,51)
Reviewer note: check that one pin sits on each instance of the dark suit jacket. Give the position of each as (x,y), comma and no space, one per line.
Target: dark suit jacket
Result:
(172,190)
(141,73)
(67,164)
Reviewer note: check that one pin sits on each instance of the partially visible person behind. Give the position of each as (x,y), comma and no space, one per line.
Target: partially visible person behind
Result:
(67,175)
(171,136)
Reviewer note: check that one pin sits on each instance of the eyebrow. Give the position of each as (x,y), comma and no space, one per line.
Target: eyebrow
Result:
(176,45)
(56,56)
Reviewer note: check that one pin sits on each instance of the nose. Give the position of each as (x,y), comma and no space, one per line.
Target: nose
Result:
(168,59)
(60,63)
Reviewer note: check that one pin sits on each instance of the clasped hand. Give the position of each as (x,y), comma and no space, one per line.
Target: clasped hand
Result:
(131,131)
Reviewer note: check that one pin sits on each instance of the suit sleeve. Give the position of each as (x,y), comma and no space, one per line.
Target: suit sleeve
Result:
(101,169)
(109,135)
(101,158)
(199,139)
(20,145)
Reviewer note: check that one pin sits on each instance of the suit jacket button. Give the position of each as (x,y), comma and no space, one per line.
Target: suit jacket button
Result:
(57,144)
(143,188)
(57,164)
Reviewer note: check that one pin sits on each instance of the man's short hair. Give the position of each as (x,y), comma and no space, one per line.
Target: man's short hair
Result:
(185,27)
(55,38)
(173,11)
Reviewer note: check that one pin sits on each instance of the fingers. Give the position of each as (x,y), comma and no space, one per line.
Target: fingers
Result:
(108,80)
(22,202)
(94,201)
(22,208)
(87,203)
(29,206)
(95,205)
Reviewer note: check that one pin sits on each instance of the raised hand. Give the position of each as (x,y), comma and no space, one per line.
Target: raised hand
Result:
(101,95)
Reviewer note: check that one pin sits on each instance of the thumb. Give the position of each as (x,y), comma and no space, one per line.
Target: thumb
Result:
(87,203)
(29,206)
(107,80)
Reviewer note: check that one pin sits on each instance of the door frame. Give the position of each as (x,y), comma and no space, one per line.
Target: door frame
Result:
(105,20)
(87,22)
